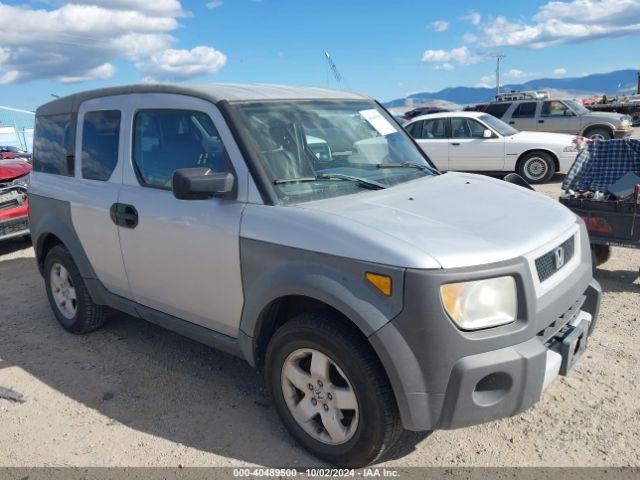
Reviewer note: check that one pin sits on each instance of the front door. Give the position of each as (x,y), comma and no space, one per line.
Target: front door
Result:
(470,151)
(556,116)
(182,256)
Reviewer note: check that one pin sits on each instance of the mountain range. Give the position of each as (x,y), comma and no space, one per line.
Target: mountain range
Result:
(612,83)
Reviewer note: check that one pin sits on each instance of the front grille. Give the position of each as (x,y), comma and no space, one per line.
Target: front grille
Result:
(548,264)
(13,226)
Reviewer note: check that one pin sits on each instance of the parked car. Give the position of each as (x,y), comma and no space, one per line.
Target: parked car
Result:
(474,141)
(14,206)
(15,152)
(379,295)
(561,116)
(416,112)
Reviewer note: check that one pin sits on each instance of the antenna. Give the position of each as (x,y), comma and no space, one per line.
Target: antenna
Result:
(333,67)
(498,57)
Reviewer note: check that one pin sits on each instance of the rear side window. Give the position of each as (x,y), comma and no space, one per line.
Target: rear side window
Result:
(434,129)
(53,145)
(100,138)
(167,140)
(525,110)
(497,109)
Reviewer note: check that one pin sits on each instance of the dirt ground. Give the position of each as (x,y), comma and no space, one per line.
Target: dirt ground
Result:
(133,394)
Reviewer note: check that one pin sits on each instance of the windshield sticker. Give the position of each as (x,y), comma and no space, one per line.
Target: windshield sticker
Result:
(377,121)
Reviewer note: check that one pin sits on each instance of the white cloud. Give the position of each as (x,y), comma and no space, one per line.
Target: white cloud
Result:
(80,40)
(515,73)
(559,22)
(488,78)
(181,64)
(469,38)
(474,17)
(560,71)
(462,55)
(444,66)
(440,25)
(214,4)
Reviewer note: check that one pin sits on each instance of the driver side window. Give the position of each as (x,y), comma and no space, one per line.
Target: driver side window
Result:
(466,128)
(167,140)
(555,108)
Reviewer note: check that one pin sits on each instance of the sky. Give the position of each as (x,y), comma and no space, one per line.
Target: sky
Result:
(385,49)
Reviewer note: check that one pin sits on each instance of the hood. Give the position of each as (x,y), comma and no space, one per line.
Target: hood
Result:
(611,116)
(458,219)
(544,138)
(14,168)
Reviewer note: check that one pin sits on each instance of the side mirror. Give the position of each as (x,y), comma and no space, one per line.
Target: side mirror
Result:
(517,180)
(200,183)
(487,133)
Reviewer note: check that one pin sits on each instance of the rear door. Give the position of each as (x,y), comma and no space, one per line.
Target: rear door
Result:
(470,151)
(182,256)
(98,170)
(433,139)
(524,116)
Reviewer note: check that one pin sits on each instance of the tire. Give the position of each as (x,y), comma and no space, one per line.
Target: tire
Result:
(83,315)
(599,134)
(377,425)
(536,167)
(600,254)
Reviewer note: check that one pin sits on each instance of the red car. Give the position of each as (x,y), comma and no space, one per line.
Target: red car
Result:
(14,207)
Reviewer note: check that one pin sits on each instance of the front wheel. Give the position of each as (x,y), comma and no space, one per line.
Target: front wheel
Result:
(536,167)
(331,392)
(599,134)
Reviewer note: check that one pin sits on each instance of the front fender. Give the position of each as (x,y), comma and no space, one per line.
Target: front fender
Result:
(272,271)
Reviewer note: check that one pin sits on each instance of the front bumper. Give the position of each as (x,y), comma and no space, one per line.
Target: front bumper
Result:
(445,378)
(14,211)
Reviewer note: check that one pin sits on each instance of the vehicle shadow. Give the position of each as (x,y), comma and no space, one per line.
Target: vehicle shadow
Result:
(14,244)
(144,377)
(618,280)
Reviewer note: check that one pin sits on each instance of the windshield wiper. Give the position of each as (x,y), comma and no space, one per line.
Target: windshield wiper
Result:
(371,184)
(402,165)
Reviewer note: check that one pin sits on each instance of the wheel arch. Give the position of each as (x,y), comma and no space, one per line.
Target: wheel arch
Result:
(593,126)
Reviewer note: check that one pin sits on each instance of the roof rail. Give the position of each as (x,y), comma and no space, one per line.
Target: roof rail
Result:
(525,95)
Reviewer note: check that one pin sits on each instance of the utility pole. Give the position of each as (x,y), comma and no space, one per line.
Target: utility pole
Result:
(333,68)
(498,57)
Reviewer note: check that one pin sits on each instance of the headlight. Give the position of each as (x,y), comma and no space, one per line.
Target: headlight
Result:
(481,303)
(625,122)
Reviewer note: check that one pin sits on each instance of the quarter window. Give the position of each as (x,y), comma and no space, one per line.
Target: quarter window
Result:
(555,108)
(466,128)
(53,145)
(167,140)
(100,138)
(525,110)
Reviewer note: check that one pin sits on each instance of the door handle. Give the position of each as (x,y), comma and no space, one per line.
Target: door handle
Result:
(124,215)
(511,122)
(456,144)
(540,121)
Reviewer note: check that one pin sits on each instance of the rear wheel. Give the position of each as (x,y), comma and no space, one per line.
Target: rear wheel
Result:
(599,134)
(536,167)
(69,298)
(331,392)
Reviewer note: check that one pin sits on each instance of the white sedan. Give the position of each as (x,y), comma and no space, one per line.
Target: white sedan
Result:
(475,141)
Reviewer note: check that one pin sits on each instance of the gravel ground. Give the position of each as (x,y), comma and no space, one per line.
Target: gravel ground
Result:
(133,394)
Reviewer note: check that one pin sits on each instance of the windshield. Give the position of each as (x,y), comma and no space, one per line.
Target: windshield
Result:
(498,125)
(576,107)
(323,149)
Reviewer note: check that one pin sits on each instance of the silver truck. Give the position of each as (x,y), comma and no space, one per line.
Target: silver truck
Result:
(538,112)
(303,230)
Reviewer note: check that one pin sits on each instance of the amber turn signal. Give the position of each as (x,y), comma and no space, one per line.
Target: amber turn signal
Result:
(381,282)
